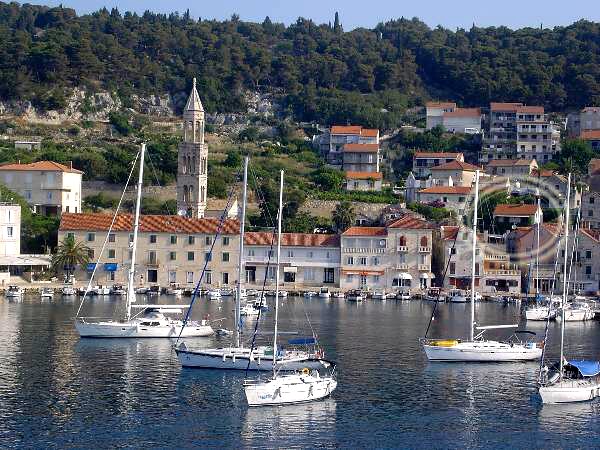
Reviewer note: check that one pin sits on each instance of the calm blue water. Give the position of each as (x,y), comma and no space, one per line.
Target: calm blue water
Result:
(57,391)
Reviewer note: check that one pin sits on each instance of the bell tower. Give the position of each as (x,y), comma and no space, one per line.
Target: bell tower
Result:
(192,161)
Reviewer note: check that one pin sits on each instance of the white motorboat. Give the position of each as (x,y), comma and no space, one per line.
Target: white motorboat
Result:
(141,290)
(324,292)
(151,322)
(68,290)
(576,312)
(117,290)
(568,381)
(100,290)
(456,296)
(434,294)
(338,294)
(379,295)
(214,294)
(174,290)
(476,348)
(355,296)
(537,313)
(14,291)
(290,388)
(47,294)
(250,292)
(310,294)
(283,294)
(249,310)
(226,292)
(403,295)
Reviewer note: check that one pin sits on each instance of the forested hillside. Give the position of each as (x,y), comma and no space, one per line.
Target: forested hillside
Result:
(323,72)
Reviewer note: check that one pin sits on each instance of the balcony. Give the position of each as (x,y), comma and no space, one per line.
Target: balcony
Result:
(424,249)
(152,263)
(503,272)
(363,250)
(402,249)
(401,266)
(424,267)
(495,257)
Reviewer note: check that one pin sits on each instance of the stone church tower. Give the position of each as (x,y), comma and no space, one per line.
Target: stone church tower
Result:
(192,162)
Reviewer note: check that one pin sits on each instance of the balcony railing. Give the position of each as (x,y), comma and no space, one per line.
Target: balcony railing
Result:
(401,266)
(152,262)
(424,249)
(363,250)
(402,248)
(494,257)
(424,267)
(503,272)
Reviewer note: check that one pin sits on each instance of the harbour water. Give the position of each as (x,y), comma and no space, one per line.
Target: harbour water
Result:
(58,391)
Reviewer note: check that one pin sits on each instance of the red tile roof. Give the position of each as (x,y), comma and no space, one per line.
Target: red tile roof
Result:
(46,166)
(292,239)
(590,135)
(464,112)
(592,109)
(591,233)
(350,129)
(449,232)
(436,155)
(364,175)
(411,223)
(515,210)
(440,105)
(456,165)
(530,109)
(509,107)
(148,223)
(458,190)
(369,132)
(361,148)
(365,231)
(544,173)
(510,162)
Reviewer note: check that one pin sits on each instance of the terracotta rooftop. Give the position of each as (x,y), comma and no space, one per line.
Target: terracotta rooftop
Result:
(440,105)
(510,162)
(552,228)
(449,232)
(457,190)
(354,130)
(46,166)
(464,112)
(456,165)
(293,239)
(365,231)
(592,109)
(594,166)
(544,173)
(509,107)
(364,175)
(148,223)
(452,155)
(593,234)
(361,148)
(530,109)
(515,210)
(412,223)
(369,132)
(590,135)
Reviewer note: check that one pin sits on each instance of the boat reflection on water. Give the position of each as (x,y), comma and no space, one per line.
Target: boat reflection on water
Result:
(568,419)
(272,423)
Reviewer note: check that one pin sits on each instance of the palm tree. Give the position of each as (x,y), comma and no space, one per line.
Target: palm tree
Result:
(69,254)
(343,216)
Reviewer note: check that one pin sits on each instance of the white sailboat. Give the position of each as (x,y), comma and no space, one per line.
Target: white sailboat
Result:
(568,381)
(151,321)
(476,348)
(303,385)
(238,357)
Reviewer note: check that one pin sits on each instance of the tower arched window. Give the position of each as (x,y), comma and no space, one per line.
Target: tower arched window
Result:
(424,241)
(185,194)
(183,165)
(202,194)
(193,165)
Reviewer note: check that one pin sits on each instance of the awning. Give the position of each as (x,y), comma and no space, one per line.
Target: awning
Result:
(424,276)
(110,267)
(90,267)
(404,276)
(587,368)
(290,269)
(431,276)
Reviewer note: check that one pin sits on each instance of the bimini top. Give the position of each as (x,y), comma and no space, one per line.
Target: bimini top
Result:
(587,368)
(303,341)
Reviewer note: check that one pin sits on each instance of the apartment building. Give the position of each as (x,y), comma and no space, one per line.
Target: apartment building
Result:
(364,181)
(500,140)
(512,167)
(454,173)
(463,121)
(435,113)
(452,197)
(307,260)
(506,216)
(391,257)
(424,161)
(49,187)
(332,143)
(588,119)
(171,249)
(590,209)
(360,158)
(592,137)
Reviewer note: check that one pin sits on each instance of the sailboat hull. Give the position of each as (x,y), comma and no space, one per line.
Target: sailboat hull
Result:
(571,391)
(288,389)
(128,330)
(225,359)
(482,351)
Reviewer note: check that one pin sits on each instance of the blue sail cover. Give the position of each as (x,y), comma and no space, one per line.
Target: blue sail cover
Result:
(302,341)
(587,368)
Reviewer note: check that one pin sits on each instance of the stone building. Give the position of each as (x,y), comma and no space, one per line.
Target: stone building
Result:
(332,143)
(171,249)
(48,187)
(192,162)
(424,161)
(307,260)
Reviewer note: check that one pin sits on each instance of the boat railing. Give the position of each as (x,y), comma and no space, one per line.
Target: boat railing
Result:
(92,319)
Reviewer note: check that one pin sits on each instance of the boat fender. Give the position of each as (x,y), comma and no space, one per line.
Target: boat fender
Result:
(305,371)
(224,358)
(554,378)
(233,359)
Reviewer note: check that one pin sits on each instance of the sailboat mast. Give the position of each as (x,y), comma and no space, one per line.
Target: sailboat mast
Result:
(537,254)
(136,226)
(277,275)
(565,279)
(473,254)
(241,271)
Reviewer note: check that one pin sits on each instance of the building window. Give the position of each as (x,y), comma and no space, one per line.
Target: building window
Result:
(208,257)
(172,256)
(152,257)
(111,276)
(362,261)
(208,277)
(588,254)
(290,253)
(349,278)
(309,274)
(310,254)
(453,251)
(9,232)
(27,195)
(172,276)
(131,238)
(376,278)
(289,277)
(111,237)
(225,257)
(251,252)
(350,260)
(49,196)
(153,239)
(375,260)
(329,275)
(225,241)
(271,273)
(208,240)
(190,256)
(71,235)
(173,239)
(452,268)
(111,253)
(590,213)
(191,240)
(189,277)
(588,270)
(91,237)
(225,278)
(91,253)
(591,200)
(424,241)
